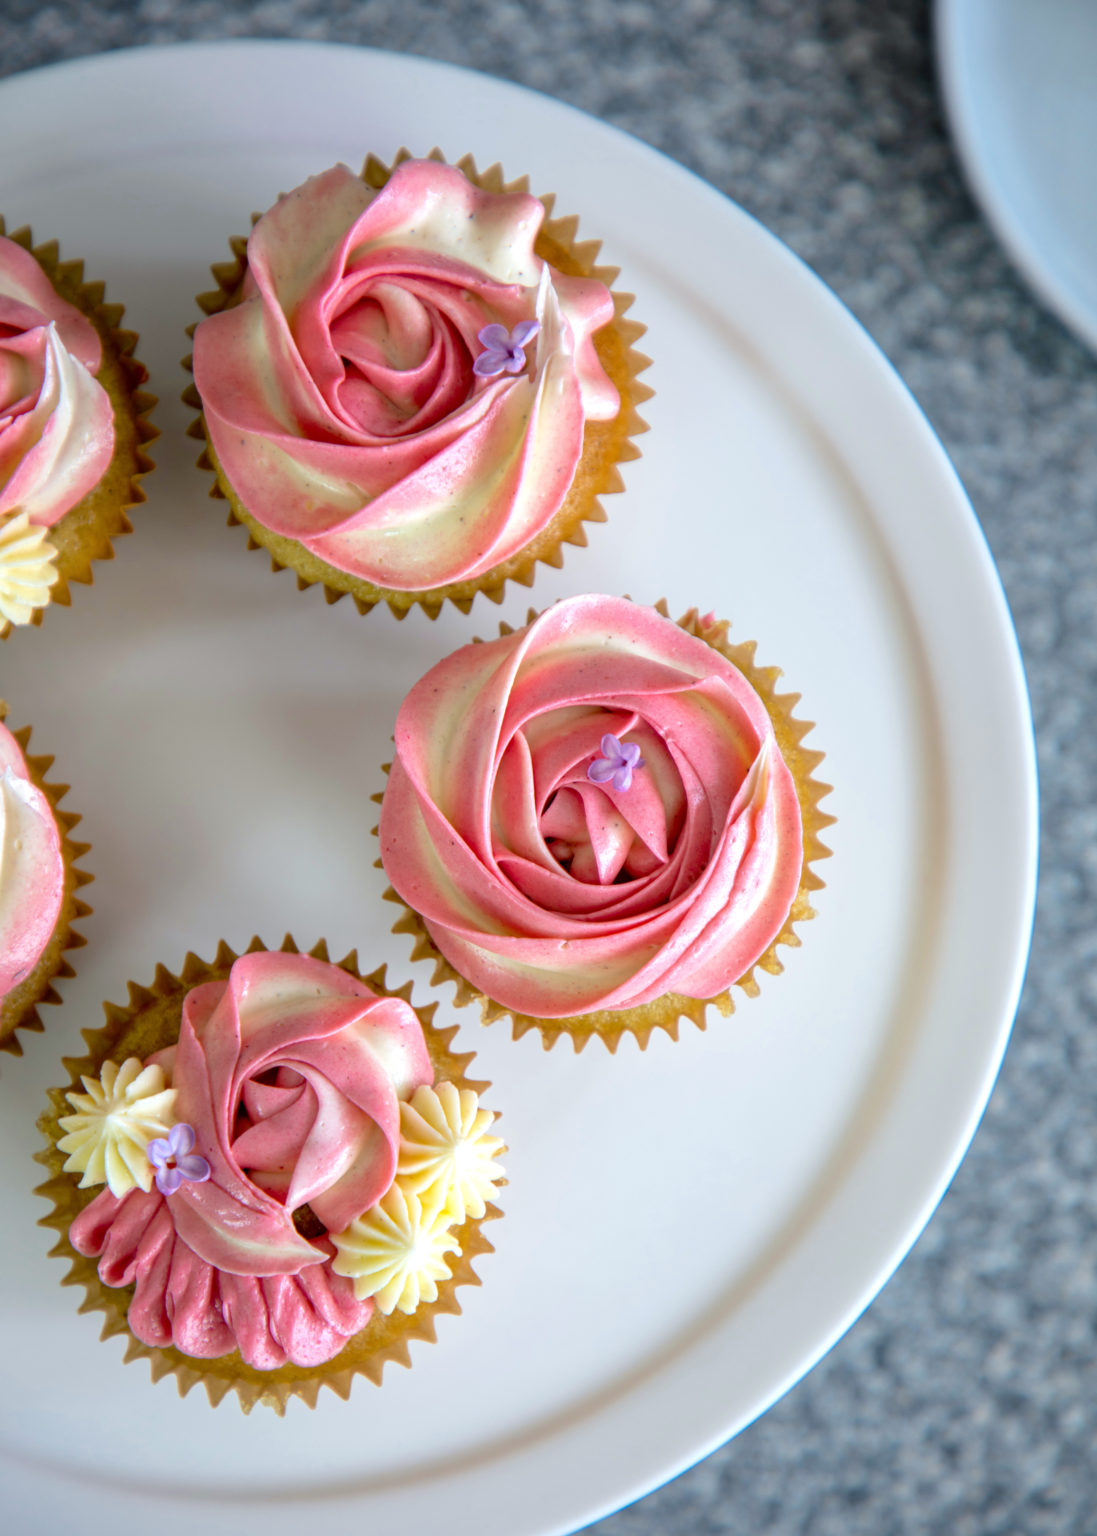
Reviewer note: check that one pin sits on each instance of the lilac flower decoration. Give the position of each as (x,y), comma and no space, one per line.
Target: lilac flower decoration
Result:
(504,351)
(617,764)
(175,1159)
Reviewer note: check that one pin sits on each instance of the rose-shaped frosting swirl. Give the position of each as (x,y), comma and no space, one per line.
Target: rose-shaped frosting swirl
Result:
(32,867)
(56,419)
(291,1074)
(341,395)
(555,894)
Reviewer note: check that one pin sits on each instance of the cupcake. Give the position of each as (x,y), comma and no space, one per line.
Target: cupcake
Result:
(270,1173)
(72,428)
(38,884)
(598,823)
(414,384)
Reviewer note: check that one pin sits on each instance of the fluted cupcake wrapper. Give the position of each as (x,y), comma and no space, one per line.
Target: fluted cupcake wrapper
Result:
(19,1007)
(149,1022)
(606,444)
(666,1012)
(87,531)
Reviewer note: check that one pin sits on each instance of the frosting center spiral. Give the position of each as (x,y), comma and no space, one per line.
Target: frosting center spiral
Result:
(406,357)
(595,833)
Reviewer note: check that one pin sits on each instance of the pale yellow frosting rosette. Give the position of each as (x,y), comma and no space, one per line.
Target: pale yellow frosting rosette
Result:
(37,573)
(667,1010)
(114,1121)
(28,569)
(606,444)
(149,1023)
(19,1007)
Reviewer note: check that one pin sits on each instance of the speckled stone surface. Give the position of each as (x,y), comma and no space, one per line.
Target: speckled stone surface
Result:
(964,1401)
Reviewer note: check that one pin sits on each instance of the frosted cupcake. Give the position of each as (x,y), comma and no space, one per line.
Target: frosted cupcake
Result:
(270,1173)
(601,822)
(38,885)
(72,428)
(414,384)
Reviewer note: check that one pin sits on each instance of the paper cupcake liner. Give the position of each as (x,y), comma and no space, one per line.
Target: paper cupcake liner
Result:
(150,1022)
(665,1012)
(19,1007)
(606,444)
(87,531)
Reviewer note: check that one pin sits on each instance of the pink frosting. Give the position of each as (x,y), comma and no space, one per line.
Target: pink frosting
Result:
(556,895)
(56,420)
(32,867)
(340,395)
(181,1300)
(291,1074)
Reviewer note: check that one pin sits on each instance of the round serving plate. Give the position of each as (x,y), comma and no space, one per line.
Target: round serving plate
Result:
(689,1228)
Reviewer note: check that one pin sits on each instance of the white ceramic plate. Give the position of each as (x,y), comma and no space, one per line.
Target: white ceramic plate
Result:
(687,1230)
(1020,84)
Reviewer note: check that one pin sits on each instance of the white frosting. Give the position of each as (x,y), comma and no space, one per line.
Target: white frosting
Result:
(499,241)
(395,1253)
(27,569)
(116,1118)
(446,1156)
(31,870)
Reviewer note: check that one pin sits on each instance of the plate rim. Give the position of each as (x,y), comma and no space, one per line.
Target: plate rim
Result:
(951,23)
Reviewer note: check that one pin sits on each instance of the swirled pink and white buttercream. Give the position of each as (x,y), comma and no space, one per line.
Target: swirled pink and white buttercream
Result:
(291,1074)
(56,419)
(341,397)
(553,890)
(32,868)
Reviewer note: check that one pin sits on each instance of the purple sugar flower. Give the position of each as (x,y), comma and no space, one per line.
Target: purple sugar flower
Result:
(617,763)
(504,351)
(175,1160)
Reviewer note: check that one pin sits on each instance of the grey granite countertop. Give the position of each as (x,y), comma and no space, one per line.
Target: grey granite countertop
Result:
(963,1401)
